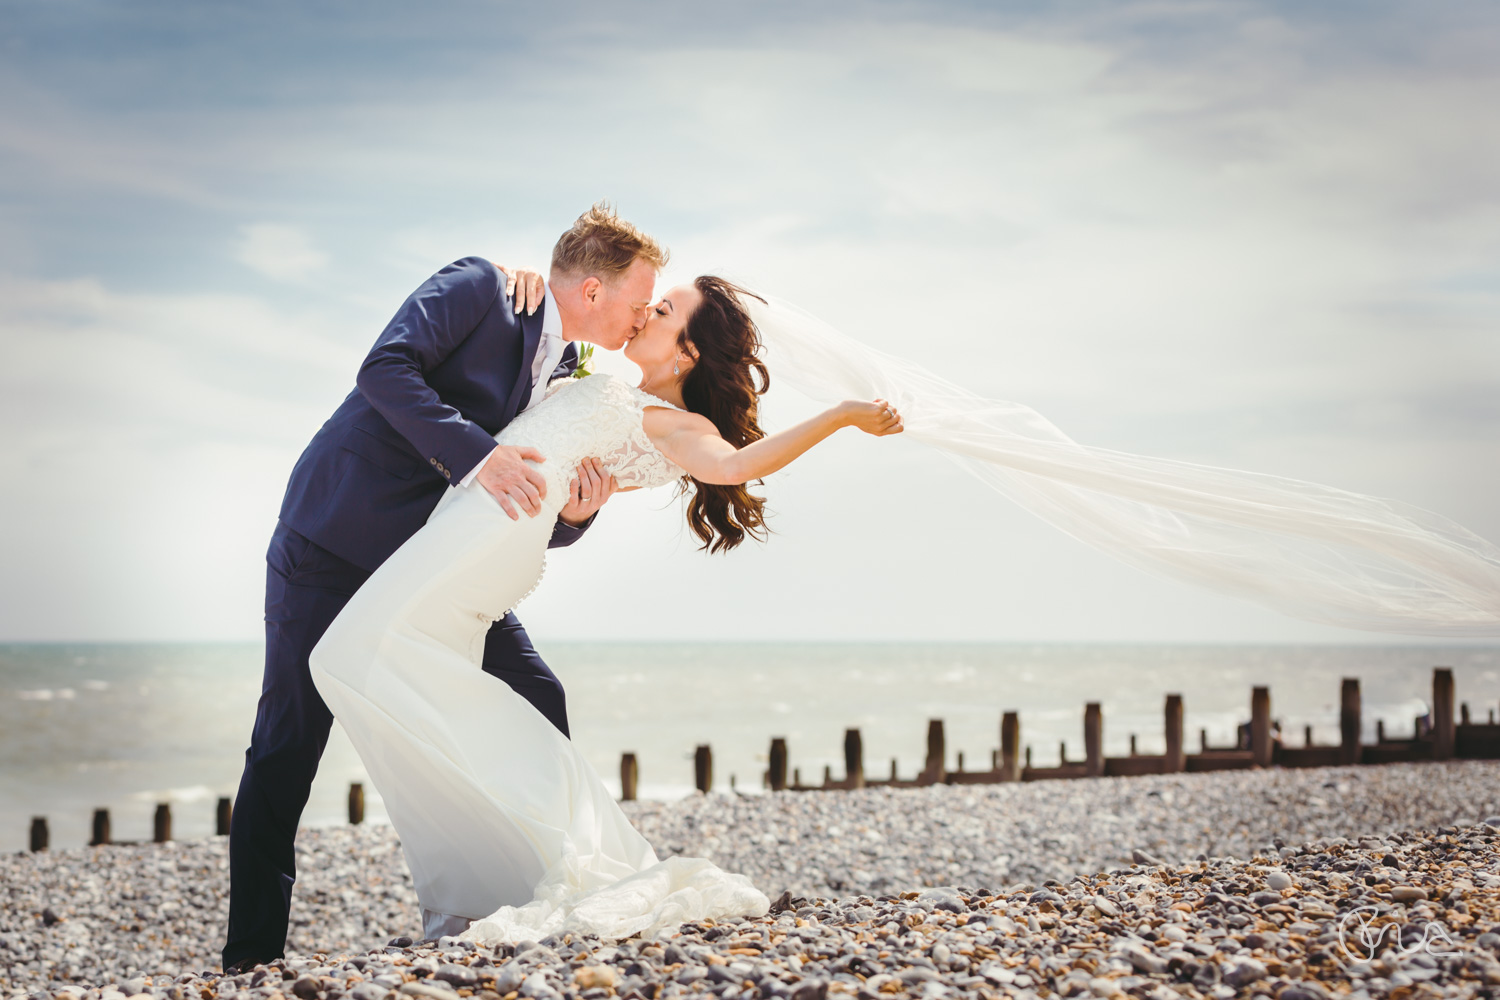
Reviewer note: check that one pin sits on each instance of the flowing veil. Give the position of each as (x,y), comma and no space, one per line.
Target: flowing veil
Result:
(1310,551)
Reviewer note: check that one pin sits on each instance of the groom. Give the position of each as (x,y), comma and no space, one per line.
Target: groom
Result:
(455,364)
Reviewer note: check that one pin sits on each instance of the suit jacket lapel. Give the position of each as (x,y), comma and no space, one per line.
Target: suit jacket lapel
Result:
(568,363)
(531,336)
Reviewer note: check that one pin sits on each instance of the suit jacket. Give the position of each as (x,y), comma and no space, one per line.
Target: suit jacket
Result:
(451,368)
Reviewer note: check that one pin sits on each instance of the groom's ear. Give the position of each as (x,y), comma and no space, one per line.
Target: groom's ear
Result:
(591,288)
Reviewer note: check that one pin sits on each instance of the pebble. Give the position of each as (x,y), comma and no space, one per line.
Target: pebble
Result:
(1180,887)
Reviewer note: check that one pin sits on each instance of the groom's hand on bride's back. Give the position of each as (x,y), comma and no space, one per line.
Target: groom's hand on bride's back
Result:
(509,479)
(587,492)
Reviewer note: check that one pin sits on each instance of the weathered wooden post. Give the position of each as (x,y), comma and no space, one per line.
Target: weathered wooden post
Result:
(1260,726)
(1028,755)
(629,775)
(39,835)
(1463,712)
(356,803)
(161,824)
(1010,744)
(778,764)
(1379,730)
(1350,722)
(936,770)
(1442,713)
(1203,740)
(703,768)
(994,760)
(854,759)
(1093,740)
(960,764)
(1062,752)
(1176,757)
(1132,744)
(827,775)
(893,770)
(797,777)
(101,828)
(223,816)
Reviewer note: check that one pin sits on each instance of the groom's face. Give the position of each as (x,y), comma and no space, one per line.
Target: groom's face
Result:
(620,309)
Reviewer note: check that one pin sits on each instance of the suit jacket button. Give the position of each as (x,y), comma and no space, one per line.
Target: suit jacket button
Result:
(432,461)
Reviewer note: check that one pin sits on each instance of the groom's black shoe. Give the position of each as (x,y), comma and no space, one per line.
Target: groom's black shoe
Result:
(244,965)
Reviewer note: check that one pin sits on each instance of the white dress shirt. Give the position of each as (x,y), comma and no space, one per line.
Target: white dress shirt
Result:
(548,353)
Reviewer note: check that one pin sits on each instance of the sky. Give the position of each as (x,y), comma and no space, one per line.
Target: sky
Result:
(1255,235)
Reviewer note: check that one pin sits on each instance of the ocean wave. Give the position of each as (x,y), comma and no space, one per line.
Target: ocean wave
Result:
(47,694)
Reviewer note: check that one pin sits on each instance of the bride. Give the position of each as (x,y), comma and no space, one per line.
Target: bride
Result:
(501,819)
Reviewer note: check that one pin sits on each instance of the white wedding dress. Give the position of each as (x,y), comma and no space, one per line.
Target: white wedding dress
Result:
(500,817)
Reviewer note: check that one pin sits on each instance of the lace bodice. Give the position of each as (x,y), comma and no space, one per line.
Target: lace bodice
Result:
(598,416)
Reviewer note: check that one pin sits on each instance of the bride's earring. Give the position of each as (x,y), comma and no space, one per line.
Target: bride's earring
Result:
(676,369)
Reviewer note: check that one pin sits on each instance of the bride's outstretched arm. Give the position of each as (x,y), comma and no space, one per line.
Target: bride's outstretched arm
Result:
(694,443)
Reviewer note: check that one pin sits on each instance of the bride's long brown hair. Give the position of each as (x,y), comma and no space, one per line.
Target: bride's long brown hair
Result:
(725,385)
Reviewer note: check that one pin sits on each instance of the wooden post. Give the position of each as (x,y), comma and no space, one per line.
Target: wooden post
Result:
(827,775)
(854,759)
(960,762)
(1176,758)
(936,769)
(39,836)
(778,764)
(101,828)
(629,774)
(1132,744)
(356,803)
(703,768)
(1442,713)
(1010,743)
(1379,730)
(1260,726)
(797,777)
(222,817)
(1463,712)
(893,770)
(1349,720)
(1307,736)
(161,824)
(1062,752)
(994,760)
(1093,740)
(1203,740)
(1028,755)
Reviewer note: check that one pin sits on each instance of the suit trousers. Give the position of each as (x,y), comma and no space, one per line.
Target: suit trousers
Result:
(306,587)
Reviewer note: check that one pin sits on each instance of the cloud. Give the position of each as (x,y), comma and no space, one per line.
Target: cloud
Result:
(1241,233)
(281,252)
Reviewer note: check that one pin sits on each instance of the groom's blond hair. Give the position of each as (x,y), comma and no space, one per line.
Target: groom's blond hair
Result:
(604,245)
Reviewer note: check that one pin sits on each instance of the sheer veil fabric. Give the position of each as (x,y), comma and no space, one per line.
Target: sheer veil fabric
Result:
(1309,551)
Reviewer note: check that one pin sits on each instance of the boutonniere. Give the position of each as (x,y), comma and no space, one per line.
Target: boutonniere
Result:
(585,358)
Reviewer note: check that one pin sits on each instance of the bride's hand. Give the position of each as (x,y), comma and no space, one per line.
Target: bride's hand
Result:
(878,417)
(526,285)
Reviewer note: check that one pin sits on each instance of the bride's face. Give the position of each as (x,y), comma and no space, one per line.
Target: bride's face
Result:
(656,345)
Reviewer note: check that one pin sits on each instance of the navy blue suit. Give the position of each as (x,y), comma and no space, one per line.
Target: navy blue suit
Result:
(449,370)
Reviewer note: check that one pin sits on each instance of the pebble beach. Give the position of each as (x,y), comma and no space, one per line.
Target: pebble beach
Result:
(1376,881)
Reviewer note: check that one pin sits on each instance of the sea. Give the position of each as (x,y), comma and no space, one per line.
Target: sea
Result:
(128,726)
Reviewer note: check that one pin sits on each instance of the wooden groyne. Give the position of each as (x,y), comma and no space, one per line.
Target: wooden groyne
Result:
(1439,735)
(161,822)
